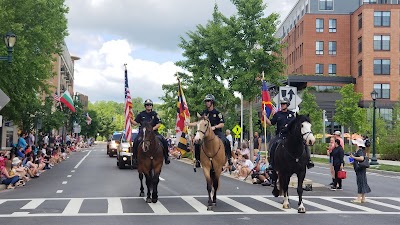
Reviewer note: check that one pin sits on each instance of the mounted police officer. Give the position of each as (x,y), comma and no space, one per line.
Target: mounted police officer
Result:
(147,116)
(281,119)
(217,123)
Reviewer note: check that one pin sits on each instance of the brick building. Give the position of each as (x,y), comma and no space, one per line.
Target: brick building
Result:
(330,43)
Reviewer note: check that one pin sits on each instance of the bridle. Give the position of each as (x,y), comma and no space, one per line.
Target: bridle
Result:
(207,126)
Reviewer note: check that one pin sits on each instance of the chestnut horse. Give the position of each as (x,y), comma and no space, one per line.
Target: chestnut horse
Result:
(212,157)
(150,161)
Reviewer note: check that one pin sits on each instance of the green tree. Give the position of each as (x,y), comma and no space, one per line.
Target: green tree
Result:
(348,113)
(310,107)
(232,51)
(41,27)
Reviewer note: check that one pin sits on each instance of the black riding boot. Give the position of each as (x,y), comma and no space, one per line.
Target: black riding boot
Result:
(310,163)
(135,149)
(165,149)
(197,154)
(228,152)
(271,165)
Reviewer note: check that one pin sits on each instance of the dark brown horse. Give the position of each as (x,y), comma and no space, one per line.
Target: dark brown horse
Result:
(150,162)
(212,157)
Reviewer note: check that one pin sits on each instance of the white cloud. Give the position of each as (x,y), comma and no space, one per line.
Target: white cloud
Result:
(100,73)
(144,34)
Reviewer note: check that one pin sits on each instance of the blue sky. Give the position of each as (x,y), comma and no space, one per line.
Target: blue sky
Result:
(105,34)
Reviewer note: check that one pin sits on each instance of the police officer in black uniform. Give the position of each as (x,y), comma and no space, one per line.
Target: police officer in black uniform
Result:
(147,116)
(282,119)
(217,123)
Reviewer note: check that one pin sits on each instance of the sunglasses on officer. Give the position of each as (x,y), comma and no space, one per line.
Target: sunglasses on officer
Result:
(149,105)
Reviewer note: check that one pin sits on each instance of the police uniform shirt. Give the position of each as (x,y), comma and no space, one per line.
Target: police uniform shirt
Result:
(144,117)
(215,118)
(281,119)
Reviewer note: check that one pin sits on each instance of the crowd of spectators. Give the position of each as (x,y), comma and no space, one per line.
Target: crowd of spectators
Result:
(28,161)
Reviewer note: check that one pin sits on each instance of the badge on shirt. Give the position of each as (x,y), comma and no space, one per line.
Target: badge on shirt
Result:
(215,115)
(290,115)
(152,117)
(220,116)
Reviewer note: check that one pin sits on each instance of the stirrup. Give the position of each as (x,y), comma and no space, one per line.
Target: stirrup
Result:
(197,163)
(167,161)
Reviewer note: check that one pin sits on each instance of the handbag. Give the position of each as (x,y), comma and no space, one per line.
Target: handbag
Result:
(342,174)
(364,164)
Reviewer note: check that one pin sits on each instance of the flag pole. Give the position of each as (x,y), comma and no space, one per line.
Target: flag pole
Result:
(265,124)
(130,141)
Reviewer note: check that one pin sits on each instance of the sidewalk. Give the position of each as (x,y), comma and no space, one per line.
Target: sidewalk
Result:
(380,161)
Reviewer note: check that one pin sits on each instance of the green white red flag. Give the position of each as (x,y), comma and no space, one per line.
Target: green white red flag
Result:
(66,99)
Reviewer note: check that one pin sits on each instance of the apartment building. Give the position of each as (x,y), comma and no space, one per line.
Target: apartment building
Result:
(330,43)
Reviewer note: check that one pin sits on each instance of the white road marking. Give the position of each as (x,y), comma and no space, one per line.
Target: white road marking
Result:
(196,204)
(2,201)
(33,204)
(317,205)
(17,214)
(69,176)
(162,179)
(324,174)
(72,171)
(64,182)
(158,208)
(238,205)
(114,206)
(383,204)
(79,163)
(353,205)
(273,203)
(73,206)
(59,191)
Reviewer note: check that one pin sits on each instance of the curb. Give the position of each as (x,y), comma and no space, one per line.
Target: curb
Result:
(3,187)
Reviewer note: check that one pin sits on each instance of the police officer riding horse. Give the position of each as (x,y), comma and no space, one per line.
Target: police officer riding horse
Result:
(281,119)
(146,116)
(217,123)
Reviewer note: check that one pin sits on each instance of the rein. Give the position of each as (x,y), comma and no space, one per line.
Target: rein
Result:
(202,146)
(303,141)
(150,143)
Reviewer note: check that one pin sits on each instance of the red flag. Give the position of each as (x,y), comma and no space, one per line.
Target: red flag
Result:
(181,116)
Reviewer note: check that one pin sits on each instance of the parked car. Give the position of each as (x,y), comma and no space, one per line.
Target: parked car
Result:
(125,152)
(113,143)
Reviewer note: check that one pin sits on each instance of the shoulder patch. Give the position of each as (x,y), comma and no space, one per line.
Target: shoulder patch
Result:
(220,115)
(214,115)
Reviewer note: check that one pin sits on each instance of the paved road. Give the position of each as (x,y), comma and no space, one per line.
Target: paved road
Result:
(88,188)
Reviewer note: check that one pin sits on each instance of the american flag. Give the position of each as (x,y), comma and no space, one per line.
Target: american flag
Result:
(56,97)
(128,109)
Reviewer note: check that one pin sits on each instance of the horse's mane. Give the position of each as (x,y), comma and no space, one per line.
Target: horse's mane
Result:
(298,120)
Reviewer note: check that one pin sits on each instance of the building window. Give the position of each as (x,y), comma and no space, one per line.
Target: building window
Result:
(384,1)
(332,48)
(319,47)
(382,42)
(319,69)
(382,66)
(360,21)
(360,68)
(319,25)
(332,69)
(382,19)
(325,4)
(332,25)
(383,90)
(386,114)
(359,44)
(369,1)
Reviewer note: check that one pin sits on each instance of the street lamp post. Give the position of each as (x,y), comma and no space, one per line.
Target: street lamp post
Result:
(9,39)
(374,160)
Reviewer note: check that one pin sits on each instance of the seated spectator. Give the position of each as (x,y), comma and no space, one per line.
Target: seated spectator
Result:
(175,153)
(260,174)
(247,167)
(245,150)
(7,177)
(32,167)
(17,169)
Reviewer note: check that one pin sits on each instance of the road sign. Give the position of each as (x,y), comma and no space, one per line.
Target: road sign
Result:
(4,99)
(237,135)
(161,128)
(290,93)
(237,130)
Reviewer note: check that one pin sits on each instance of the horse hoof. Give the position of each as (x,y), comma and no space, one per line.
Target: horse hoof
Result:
(141,195)
(301,210)
(148,200)
(275,193)
(286,206)
(209,208)
(154,200)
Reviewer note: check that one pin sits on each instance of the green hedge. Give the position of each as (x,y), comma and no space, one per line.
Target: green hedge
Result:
(389,149)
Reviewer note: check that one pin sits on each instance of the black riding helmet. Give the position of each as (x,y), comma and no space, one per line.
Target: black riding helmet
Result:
(148,102)
(209,97)
(285,101)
